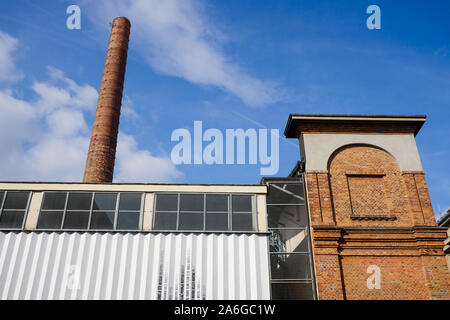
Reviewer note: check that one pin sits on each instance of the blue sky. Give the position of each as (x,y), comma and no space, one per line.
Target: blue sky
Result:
(231,64)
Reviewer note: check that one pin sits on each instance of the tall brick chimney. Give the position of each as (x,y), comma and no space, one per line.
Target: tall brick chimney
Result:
(102,148)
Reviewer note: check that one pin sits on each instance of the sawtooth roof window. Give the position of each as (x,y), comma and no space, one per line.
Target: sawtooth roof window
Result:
(204,212)
(13,209)
(91,210)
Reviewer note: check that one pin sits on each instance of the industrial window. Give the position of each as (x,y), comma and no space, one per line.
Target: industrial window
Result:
(203,212)
(292,291)
(289,241)
(217,212)
(13,208)
(90,210)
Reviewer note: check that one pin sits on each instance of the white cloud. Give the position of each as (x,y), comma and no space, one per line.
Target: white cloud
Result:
(137,165)
(8,71)
(16,120)
(176,38)
(17,125)
(47,138)
(55,159)
(66,122)
(61,91)
(127,109)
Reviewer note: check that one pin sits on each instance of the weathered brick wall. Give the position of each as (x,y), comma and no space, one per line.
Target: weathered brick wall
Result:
(400,277)
(327,265)
(319,198)
(365,211)
(419,198)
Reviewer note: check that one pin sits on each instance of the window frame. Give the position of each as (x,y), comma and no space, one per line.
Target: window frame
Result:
(91,210)
(310,253)
(141,211)
(304,254)
(229,212)
(25,215)
(116,210)
(307,236)
(189,211)
(79,210)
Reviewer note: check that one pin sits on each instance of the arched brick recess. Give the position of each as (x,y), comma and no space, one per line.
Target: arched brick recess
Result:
(367,188)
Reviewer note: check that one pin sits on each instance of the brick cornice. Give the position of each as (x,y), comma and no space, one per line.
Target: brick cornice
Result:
(413,241)
(326,240)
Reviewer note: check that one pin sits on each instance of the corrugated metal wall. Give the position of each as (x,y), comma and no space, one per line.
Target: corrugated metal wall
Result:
(85,265)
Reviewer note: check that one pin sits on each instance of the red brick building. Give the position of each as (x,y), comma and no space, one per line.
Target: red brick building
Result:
(374,233)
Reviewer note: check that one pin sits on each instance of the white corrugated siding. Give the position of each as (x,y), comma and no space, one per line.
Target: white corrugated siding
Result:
(85,265)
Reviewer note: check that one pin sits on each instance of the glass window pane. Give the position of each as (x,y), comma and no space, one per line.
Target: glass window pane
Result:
(104,201)
(79,201)
(285,193)
(289,240)
(190,221)
(217,202)
(241,203)
(191,202)
(128,220)
(165,221)
(76,220)
(292,291)
(290,266)
(287,216)
(102,220)
(166,202)
(16,200)
(50,220)
(130,201)
(242,222)
(54,200)
(217,221)
(11,219)
(2,193)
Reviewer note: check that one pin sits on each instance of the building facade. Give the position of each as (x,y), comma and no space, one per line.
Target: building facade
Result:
(133,241)
(353,220)
(373,228)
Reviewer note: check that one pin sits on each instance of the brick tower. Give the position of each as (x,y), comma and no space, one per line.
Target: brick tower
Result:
(102,147)
(373,228)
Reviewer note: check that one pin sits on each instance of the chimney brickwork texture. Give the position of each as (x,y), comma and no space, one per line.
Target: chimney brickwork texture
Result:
(102,148)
